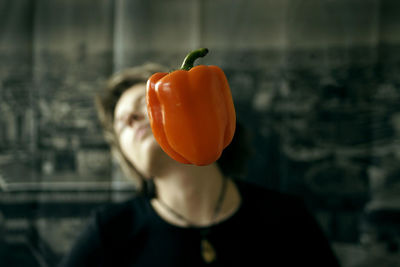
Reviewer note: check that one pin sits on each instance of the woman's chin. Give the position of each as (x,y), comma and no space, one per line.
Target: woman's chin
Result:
(151,147)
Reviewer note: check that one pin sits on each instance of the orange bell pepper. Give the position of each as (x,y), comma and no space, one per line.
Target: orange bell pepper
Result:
(191,111)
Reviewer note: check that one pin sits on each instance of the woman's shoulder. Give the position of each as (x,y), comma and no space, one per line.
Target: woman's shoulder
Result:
(268,201)
(121,215)
(259,192)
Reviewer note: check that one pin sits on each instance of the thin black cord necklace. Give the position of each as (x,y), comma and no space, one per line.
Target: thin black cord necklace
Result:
(207,250)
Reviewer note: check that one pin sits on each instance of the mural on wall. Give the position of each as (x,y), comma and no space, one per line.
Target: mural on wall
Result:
(320,105)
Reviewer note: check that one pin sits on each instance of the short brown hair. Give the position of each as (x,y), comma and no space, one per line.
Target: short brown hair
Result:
(232,161)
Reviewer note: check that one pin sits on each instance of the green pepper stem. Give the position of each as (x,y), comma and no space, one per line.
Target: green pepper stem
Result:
(192,56)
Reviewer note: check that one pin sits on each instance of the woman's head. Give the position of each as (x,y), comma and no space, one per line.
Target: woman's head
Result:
(132,128)
(122,112)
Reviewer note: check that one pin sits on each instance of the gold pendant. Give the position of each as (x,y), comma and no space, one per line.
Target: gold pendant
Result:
(207,251)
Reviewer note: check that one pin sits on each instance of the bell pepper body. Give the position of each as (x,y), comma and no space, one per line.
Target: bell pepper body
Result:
(191,113)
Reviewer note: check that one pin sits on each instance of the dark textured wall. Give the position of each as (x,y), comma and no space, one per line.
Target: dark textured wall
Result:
(315,83)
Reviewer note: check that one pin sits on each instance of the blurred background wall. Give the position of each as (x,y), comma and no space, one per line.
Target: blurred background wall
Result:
(316,83)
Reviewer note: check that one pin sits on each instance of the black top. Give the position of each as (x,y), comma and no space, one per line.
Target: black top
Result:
(268,229)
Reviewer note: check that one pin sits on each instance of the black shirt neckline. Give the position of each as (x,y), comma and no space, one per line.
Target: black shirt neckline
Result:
(154,216)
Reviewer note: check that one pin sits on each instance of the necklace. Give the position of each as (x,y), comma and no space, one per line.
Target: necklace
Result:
(207,250)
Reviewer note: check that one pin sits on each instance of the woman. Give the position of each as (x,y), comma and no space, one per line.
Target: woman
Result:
(187,215)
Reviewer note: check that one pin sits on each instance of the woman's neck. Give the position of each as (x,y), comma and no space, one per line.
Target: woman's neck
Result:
(193,192)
